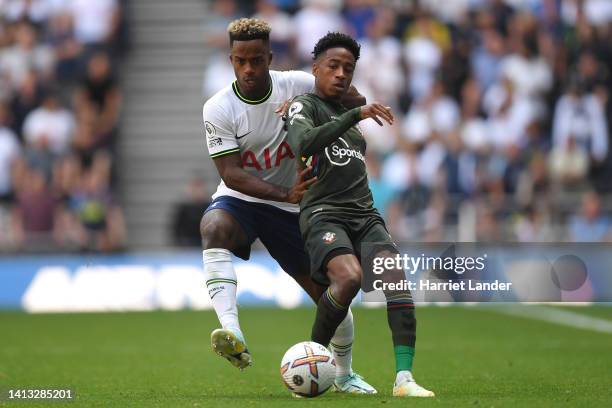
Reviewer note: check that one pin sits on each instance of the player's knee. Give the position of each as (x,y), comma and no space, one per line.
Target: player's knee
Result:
(352,284)
(344,272)
(347,284)
(215,233)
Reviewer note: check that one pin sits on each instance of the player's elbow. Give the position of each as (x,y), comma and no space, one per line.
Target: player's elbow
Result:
(232,178)
(232,181)
(360,100)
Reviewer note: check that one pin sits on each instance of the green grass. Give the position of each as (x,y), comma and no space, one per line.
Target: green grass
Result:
(469,357)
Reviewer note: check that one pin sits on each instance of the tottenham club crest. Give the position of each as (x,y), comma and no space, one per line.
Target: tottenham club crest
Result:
(329,237)
(211,131)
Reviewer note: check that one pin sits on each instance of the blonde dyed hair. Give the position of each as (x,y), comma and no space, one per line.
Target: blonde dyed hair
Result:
(245,29)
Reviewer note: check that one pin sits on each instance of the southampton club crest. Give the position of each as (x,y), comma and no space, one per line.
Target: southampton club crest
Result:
(329,237)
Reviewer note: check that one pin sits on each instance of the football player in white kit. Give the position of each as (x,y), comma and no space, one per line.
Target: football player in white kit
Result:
(258,192)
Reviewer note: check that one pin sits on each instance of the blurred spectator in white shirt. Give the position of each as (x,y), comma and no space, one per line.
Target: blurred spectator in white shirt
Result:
(313,21)
(426,41)
(442,110)
(448,11)
(9,153)
(34,11)
(597,12)
(95,21)
(25,55)
(218,74)
(530,74)
(379,74)
(509,114)
(50,124)
(428,126)
(580,116)
(418,163)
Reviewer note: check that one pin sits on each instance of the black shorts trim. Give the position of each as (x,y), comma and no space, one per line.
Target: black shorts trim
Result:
(334,253)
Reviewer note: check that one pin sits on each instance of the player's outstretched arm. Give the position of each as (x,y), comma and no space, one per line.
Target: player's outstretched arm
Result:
(307,139)
(235,177)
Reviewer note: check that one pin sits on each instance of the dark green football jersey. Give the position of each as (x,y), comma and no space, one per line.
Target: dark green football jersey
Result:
(326,136)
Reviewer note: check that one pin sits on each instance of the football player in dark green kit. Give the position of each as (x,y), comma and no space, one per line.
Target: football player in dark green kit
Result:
(337,213)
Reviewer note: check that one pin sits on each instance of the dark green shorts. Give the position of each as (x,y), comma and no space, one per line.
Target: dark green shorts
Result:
(330,234)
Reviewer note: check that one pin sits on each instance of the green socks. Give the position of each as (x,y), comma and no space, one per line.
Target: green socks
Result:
(403,358)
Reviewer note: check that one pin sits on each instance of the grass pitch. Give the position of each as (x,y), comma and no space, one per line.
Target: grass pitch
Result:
(472,357)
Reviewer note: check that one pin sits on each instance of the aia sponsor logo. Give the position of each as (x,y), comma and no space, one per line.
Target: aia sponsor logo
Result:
(269,159)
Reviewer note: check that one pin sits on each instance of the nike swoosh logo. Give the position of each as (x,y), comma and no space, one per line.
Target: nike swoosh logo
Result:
(215,294)
(240,137)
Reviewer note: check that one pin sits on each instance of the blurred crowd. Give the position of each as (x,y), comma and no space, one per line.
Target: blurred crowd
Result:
(59,109)
(503,105)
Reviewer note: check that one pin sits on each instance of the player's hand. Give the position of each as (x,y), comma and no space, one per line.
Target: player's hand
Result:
(282,110)
(377,112)
(295,194)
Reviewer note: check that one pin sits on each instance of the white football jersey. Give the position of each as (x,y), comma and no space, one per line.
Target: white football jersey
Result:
(234,124)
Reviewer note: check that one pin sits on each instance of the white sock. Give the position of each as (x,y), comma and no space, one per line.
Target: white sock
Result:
(404,375)
(342,345)
(221,284)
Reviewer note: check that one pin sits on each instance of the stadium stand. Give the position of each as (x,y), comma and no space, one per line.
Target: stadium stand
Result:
(59,113)
(504,109)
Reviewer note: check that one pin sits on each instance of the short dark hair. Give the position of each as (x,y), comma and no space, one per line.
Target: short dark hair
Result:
(335,40)
(245,29)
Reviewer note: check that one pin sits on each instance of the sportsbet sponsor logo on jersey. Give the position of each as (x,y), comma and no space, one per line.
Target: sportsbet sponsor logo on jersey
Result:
(340,153)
